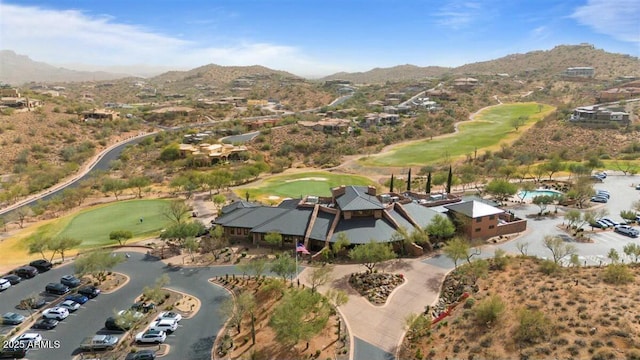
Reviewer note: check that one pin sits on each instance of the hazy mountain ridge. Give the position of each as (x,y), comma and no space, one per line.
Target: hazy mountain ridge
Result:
(396,73)
(18,69)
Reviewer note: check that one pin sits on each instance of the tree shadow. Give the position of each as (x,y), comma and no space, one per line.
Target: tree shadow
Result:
(343,284)
(433,283)
(396,265)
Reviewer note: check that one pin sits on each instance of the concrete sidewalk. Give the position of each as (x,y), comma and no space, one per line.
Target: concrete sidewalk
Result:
(384,326)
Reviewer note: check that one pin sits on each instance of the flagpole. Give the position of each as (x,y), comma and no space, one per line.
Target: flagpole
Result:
(296,262)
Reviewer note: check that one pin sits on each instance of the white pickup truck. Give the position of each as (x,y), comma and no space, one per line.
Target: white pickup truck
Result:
(99,342)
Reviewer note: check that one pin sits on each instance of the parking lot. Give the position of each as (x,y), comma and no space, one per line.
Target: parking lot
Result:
(193,339)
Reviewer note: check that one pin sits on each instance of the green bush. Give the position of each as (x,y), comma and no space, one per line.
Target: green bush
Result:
(617,274)
(549,267)
(489,310)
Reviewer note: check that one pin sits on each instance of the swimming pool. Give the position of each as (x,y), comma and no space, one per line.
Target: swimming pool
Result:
(539,192)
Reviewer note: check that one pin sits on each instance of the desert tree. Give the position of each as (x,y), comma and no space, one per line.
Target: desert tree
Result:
(299,317)
(614,256)
(121,236)
(501,189)
(176,211)
(522,247)
(319,276)
(192,245)
(274,239)
(235,309)
(97,263)
(284,266)
(532,327)
(554,166)
(517,122)
(458,249)
(62,244)
(256,266)
(218,200)
(572,217)
(441,227)
(543,202)
(342,242)
(632,249)
(21,214)
(559,249)
(371,254)
(138,183)
(38,244)
(489,311)
(525,188)
(155,293)
(113,186)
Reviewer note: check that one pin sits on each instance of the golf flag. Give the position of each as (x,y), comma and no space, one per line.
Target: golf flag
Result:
(302,249)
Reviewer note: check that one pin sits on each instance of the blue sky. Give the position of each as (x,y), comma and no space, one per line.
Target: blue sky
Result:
(307,37)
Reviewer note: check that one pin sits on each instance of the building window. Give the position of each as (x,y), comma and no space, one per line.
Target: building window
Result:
(478,219)
(233,231)
(246,231)
(491,226)
(477,229)
(491,217)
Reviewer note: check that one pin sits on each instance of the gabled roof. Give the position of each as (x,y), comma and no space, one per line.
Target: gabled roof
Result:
(322,225)
(291,222)
(289,203)
(356,198)
(237,205)
(474,209)
(250,217)
(360,230)
(420,214)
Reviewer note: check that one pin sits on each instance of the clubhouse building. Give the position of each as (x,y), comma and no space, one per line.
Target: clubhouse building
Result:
(362,215)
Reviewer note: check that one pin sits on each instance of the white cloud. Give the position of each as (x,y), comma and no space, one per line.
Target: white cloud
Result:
(71,36)
(619,19)
(458,15)
(540,33)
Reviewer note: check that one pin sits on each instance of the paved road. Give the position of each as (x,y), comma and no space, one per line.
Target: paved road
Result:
(240,139)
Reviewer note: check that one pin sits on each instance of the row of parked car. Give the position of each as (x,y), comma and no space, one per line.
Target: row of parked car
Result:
(24,272)
(601,196)
(621,228)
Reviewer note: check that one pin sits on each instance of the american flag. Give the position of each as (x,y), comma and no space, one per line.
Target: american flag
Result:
(302,249)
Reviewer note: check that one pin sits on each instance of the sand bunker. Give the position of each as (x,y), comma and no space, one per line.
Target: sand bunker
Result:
(308,179)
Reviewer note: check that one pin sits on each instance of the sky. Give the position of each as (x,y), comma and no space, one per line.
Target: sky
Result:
(309,38)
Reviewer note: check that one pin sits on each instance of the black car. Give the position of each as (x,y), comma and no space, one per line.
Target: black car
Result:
(89,291)
(33,304)
(141,355)
(26,272)
(12,278)
(45,324)
(70,281)
(56,288)
(42,265)
(13,353)
(111,324)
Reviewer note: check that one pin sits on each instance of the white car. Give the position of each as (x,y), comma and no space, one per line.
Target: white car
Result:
(27,338)
(58,313)
(170,315)
(166,325)
(136,314)
(70,305)
(4,284)
(151,336)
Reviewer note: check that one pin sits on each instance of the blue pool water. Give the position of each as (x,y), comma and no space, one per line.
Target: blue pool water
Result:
(531,194)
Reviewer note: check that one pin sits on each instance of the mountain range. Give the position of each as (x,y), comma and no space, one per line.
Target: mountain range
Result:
(16,69)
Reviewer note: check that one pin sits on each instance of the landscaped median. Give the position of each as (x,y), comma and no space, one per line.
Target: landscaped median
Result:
(489,128)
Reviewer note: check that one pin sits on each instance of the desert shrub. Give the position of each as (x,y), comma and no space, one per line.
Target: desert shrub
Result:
(469,303)
(573,350)
(489,310)
(549,267)
(617,274)
(604,354)
(633,355)
(533,326)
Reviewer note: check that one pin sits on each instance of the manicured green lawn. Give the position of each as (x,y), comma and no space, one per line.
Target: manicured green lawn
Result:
(295,185)
(488,129)
(93,226)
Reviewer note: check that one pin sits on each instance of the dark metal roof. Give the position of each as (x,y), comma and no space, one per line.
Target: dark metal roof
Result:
(420,214)
(291,222)
(250,217)
(356,198)
(400,220)
(289,203)
(322,225)
(361,230)
(237,205)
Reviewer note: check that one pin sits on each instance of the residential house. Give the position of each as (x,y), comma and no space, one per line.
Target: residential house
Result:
(99,114)
(209,154)
(597,114)
(379,119)
(579,72)
(329,126)
(465,83)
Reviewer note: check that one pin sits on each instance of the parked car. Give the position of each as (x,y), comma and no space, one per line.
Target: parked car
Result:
(45,324)
(99,342)
(600,224)
(13,352)
(12,318)
(141,355)
(31,303)
(70,305)
(26,272)
(12,278)
(79,298)
(599,199)
(611,223)
(111,324)
(604,195)
(89,291)
(169,315)
(143,306)
(151,336)
(56,288)
(70,280)
(58,313)
(627,230)
(27,338)
(42,265)
(637,187)
(166,325)
(4,284)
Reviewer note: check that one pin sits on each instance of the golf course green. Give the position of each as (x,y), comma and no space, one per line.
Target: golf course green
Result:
(489,128)
(318,183)
(93,226)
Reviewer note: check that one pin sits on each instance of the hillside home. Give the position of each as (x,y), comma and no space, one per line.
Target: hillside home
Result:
(209,154)
(99,114)
(579,72)
(379,119)
(20,103)
(9,93)
(465,83)
(329,126)
(598,114)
